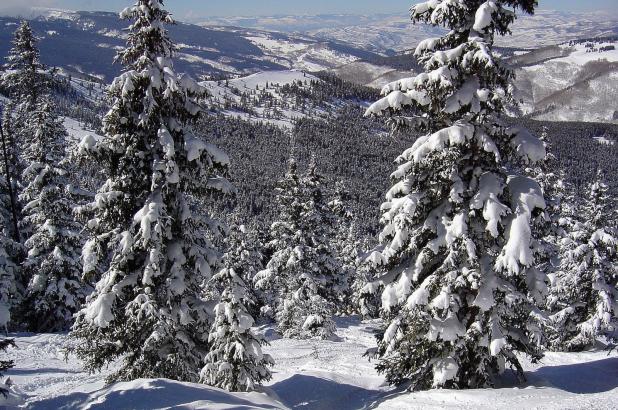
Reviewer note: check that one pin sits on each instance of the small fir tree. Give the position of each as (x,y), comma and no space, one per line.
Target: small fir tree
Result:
(235,361)
(6,364)
(245,257)
(9,250)
(303,273)
(584,298)
(52,266)
(344,241)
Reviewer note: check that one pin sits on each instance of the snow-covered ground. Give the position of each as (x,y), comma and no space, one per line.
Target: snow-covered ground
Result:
(578,85)
(268,82)
(309,374)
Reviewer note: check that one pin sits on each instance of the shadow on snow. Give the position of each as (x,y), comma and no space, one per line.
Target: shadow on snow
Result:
(582,378)
(315,393)
(149,394)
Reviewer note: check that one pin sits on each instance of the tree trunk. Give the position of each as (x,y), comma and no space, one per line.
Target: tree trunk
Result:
(9,184)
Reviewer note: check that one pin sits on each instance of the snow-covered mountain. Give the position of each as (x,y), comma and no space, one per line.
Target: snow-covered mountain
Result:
(260,97)
(567,81)
(572,81)
(394,32)
(86,42)
(575,81)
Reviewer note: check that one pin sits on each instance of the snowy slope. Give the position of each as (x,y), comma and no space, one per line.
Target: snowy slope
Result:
(76,131)
(309,375)
(263,88)
(300,53)
(572,81)
(578,82)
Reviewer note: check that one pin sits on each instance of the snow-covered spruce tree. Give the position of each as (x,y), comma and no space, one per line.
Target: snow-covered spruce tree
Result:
(457,244)
(52,266)
(303,273)
(344,241)
(147,307)
(11,170)
(23,69)
(235,361)
(551,179)
(272,280)
(24,80)
(584,298)
(244,256)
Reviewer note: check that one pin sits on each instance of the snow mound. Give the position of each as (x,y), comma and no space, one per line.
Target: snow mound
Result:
(150,394)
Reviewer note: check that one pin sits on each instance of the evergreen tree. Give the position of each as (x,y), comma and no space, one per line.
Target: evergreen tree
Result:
(584,298)
(10,247)
(23,69)
(272,280)
(24,80)
(245,257)
(52,266)
(146,231)
(321,225)
(235,361)
(344,241)
(302,275)
(457,243)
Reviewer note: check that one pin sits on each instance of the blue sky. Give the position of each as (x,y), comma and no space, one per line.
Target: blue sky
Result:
(199,8)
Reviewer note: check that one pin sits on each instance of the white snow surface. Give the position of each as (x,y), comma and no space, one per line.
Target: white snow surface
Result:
(309,374)
(263,82)
(77,132)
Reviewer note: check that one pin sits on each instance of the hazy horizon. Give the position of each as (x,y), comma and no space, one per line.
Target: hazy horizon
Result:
(194,10)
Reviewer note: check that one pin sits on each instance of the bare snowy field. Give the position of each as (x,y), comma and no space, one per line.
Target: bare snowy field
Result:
(309,374)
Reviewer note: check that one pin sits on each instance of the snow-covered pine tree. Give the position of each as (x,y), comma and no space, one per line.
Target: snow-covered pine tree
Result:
(457,242)
(23,69)
(10,246)
(244,256)
(24,79)
(52,266)
(584,298)
(146,229)
(272,280)
(344,240)
(303,275)
(235,361)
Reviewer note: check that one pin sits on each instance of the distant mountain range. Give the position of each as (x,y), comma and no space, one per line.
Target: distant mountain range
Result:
(86,42)
(387,33)
(572,81)
(560,77)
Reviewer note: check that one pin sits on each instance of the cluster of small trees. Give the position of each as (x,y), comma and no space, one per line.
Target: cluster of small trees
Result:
(134,269)
(41,239)
(486,250)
